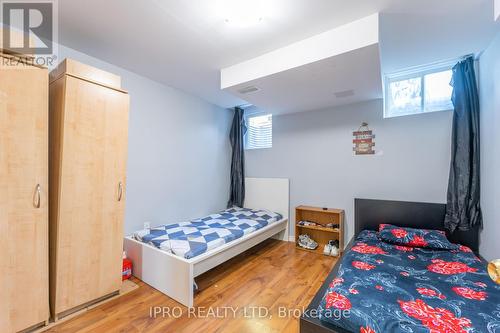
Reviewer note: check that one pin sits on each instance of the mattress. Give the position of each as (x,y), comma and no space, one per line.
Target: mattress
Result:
(193,238)
(381,287)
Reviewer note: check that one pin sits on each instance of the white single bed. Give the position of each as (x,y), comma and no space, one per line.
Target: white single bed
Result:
(174,275)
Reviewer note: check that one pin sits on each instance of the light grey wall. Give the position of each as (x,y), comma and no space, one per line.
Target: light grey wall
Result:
(489,83)
(178,150)
(314,150)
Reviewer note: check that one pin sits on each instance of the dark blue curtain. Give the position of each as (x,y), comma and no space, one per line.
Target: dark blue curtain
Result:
(463,211)
(238,130)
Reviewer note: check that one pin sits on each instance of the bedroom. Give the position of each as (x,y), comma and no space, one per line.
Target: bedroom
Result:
(223,165)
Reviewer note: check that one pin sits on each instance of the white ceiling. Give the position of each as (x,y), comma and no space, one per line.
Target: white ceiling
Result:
(313,86)
(338,67)
(185,43)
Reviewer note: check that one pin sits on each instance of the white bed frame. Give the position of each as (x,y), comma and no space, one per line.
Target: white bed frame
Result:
(174,275)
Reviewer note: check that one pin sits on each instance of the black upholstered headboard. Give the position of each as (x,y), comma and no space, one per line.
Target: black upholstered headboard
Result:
(370,213)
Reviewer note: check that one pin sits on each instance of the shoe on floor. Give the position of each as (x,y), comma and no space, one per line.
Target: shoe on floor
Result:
(334,248)
(307,243)
(327,250)
(334,251)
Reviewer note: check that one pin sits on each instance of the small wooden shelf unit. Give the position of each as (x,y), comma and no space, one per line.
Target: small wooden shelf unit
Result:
(320,233)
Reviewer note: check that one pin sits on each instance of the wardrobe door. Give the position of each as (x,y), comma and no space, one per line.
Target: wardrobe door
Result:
(91,193)
(23,197)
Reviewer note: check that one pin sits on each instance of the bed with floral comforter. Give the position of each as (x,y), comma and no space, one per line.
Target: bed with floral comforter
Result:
(393,288)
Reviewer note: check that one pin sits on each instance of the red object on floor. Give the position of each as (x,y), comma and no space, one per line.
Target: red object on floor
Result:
(127,269)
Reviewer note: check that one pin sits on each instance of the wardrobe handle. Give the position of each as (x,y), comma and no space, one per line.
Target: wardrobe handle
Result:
(37,196)
(120,191)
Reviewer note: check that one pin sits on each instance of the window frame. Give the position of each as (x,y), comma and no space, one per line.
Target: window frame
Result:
(419,72)
(245,139)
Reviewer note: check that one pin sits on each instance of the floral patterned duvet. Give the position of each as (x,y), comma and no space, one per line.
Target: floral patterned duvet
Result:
(392,288)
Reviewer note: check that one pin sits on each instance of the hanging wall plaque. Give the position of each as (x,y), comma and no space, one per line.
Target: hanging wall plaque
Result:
(364,141)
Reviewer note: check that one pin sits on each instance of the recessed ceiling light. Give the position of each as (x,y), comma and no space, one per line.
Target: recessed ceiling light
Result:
(241,13)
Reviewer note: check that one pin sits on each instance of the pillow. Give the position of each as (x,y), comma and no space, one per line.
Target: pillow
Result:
(431,239)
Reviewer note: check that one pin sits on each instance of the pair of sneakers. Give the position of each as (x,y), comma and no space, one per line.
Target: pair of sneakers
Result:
(332,248)
(307,223)
(307,243)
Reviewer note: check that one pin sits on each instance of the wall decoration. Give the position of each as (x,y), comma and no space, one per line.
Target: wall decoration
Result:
(363,140)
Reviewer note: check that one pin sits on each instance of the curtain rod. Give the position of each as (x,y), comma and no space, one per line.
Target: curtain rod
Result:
(430,66)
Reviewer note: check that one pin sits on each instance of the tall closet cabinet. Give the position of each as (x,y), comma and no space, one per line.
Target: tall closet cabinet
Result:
(88,153)
(24,274)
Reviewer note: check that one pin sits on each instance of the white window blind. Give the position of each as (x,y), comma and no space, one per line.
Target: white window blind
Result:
(259,132)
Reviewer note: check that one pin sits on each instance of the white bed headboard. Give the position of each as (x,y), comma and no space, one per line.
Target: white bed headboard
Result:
(268,193)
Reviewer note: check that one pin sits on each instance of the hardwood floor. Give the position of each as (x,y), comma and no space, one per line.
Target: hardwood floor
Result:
(273,275)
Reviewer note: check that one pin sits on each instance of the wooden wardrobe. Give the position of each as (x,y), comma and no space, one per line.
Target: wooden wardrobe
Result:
(24,273)
(88,154)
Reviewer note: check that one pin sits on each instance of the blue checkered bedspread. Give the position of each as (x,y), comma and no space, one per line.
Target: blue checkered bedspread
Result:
(190,239)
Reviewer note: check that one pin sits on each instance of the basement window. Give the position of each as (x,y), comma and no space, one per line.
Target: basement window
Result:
(259,132)
(420,90)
